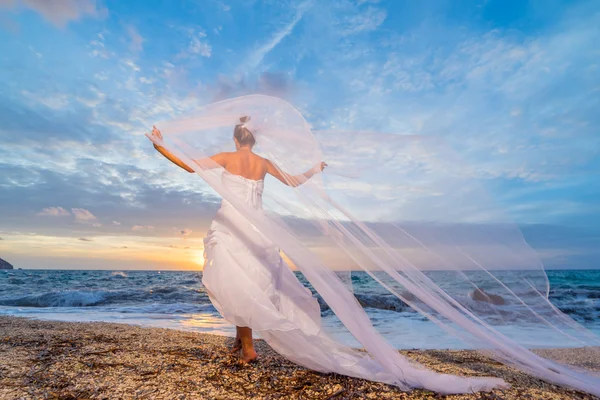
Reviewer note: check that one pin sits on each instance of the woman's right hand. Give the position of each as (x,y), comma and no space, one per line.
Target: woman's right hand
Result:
(323,165)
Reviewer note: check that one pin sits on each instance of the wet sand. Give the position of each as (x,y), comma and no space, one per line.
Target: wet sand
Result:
(70,360)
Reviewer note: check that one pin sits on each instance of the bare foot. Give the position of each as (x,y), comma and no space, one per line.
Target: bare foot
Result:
(237,345)
(249,355)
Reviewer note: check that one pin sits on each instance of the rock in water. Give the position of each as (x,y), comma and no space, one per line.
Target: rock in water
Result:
(480,295)
(5,264)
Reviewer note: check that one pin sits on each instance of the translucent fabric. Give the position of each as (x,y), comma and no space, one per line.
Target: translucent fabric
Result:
(405,210)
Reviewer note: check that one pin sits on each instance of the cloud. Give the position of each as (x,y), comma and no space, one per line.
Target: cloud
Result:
(85,239)
(137,41)
(27,122)
(83,215)
(278,84)
(117,223)
(57,101)
(54,212)
(366,21)
(275,84)
(256,56)
(198,45)
(517,106)
(118,192)
(59,12)
(131,65)
(186,232)
(142,228)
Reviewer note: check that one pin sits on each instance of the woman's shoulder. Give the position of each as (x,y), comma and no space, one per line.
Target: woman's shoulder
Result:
(264,160)
(260,158)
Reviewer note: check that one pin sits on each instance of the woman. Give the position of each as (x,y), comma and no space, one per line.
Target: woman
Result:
(249,170)
(254,289)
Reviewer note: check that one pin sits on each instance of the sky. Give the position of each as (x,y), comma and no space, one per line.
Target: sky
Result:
(512,86)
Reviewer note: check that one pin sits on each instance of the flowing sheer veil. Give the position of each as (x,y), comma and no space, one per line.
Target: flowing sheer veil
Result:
(408,212)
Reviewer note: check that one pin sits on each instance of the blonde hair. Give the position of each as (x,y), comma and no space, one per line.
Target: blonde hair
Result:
(242,134)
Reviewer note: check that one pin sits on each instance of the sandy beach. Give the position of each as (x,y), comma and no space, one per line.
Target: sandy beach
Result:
(68,360)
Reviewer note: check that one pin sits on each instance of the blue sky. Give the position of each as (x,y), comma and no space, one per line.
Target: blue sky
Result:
(513,86)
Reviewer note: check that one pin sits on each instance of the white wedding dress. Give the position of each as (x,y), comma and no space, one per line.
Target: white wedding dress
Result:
(250,285)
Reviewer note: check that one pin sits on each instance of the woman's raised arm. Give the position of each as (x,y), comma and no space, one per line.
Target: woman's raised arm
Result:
(294,180)
(206,163)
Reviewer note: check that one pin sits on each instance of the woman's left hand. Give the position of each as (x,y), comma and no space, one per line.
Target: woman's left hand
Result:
(156,133)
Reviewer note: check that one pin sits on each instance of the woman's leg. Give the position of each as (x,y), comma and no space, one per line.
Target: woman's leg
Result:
(237,344)
(248,352)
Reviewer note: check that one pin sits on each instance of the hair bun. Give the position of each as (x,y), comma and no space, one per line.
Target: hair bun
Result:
(242,134)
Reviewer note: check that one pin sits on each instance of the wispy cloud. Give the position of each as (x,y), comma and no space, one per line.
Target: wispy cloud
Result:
(366,21)
(257,55)
(59,12)
(198,44)
(54,212)
(137,41)
(83,215)
(57,101)
(142,228)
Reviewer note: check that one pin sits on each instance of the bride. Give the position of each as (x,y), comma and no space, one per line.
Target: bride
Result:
(253,288)
(246,171)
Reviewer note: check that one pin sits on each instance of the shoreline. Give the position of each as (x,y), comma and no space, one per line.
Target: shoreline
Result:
(53,359)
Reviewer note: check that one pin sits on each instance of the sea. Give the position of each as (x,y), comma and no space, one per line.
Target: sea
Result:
(177,300)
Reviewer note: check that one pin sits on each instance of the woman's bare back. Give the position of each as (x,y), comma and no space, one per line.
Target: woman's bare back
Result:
(246,164)
(243,163)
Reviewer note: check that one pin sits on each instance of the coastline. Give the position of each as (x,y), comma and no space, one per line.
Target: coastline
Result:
(52,359)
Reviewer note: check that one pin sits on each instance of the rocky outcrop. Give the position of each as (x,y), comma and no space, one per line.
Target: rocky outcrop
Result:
(5,264)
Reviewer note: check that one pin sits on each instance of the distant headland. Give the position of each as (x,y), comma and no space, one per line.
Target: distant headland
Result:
(5,264)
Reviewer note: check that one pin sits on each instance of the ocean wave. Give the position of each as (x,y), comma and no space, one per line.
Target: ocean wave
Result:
(57,299)
(190,282)
(91,298)
(575,293)
(164,289)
